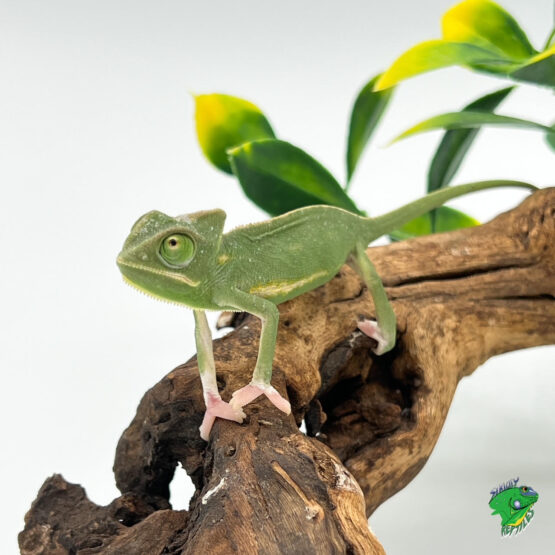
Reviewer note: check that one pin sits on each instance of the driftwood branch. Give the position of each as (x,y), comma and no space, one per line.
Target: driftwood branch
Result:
(264,487)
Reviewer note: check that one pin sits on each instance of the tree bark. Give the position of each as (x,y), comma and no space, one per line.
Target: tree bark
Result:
(372,422)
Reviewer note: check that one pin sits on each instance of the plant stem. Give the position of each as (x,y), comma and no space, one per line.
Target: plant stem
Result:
(549,39)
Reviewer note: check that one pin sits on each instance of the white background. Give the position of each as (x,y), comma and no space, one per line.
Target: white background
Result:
(96,128)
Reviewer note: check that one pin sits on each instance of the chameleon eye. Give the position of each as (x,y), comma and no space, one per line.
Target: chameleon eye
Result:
(177,249)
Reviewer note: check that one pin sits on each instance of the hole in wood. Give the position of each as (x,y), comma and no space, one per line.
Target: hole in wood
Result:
(181,490)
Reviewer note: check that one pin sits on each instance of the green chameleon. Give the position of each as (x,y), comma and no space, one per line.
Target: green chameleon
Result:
(189,260)
(513,504)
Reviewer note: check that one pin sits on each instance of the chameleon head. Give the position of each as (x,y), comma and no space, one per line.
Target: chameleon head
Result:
(525,497)
(171,258)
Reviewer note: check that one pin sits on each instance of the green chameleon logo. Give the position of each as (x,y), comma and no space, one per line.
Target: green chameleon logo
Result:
(514,504)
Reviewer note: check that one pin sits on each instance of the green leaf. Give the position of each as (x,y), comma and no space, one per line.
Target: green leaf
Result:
(279,177)
(540,69)
(436,54)
(224,122)
(486,24)
(481,35)
(455,143)
(367,111)
(447,219)
(550,39)
(460,120)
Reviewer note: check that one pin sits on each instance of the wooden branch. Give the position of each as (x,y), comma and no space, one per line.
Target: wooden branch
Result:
(263,487)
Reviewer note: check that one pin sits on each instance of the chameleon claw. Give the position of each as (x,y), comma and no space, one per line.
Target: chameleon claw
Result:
(371,329)
(250,392)
(216,407)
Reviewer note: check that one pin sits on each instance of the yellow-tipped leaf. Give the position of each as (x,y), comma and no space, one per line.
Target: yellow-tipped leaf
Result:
(225,122)
(434,54)
(480,35)
(486,24)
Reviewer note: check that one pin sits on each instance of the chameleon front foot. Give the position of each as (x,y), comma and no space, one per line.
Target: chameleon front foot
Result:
(216,407)
(371,329)
(250,392)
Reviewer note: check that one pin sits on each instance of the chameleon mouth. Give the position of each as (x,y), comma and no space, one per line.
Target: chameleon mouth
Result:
(148,293)
(122,263)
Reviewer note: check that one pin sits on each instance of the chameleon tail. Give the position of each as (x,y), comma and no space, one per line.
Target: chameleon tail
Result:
(387,223)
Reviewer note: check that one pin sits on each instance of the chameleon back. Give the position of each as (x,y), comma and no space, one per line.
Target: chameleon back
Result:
(282,258)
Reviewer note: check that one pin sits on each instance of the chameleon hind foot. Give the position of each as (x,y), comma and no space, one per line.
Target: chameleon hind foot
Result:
(250,392)
(216,407)
(371,329)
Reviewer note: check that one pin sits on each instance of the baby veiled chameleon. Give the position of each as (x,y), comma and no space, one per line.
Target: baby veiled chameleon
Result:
(189,260)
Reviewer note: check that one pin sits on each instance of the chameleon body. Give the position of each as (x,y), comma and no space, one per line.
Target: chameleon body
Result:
(190,261)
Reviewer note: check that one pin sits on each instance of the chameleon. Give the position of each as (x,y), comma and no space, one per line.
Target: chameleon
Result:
(513,504)
(190,261)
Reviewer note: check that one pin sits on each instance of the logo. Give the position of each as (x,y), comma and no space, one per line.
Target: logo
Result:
(515,506)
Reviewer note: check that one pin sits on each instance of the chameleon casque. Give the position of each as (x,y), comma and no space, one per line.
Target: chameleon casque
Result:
(190,261)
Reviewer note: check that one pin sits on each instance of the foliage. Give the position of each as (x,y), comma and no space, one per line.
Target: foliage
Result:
(225,121)
(480,35)
(237,137)
(280,177)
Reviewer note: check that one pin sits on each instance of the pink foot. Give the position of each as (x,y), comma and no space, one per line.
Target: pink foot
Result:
(216,407)
(371,329)
(250,392)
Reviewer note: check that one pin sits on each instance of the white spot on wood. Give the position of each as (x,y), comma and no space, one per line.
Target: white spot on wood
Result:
(344,479)
(312,511)
(354,336)
(458,252)
(212,491)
